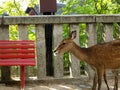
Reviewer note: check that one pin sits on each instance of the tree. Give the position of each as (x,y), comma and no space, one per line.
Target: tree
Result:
(91,6)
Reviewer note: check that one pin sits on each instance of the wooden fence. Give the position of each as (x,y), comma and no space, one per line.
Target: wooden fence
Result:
(92,23)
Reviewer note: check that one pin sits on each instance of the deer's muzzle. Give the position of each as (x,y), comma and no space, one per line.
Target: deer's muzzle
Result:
(55,52)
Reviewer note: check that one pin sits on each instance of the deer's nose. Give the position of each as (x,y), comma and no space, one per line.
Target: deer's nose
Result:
(55,52)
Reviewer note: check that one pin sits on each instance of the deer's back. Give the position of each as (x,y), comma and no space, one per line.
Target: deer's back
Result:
(107,54)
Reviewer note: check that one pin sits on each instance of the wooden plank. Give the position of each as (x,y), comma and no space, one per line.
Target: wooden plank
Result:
(75,63)
(58,60)
(9,56)
(22,77)
(15,46)
(17,62)
(40,51)
(15,41)
(24,51)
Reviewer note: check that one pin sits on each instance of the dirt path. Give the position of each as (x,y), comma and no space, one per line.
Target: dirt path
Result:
(47,87)
(60,86)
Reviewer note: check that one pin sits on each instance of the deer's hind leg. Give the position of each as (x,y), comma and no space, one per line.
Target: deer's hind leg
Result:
(116,79)
(100,73)
(106,80)
(95,81)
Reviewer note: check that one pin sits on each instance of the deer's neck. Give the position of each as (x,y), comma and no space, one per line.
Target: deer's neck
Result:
(78,52)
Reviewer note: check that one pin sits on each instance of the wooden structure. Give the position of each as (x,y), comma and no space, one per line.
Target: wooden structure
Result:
(17,53)
(92,23)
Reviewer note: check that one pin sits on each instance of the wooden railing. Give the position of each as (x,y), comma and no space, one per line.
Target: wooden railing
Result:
(92,22)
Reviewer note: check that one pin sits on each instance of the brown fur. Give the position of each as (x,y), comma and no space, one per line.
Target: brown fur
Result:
(100,57)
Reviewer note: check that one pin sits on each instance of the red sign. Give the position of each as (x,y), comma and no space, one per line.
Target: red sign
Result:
(48,6)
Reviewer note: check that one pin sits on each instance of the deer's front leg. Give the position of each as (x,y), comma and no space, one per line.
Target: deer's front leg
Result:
(95,81)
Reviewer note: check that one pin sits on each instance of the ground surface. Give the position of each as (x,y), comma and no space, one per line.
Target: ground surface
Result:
(57,86)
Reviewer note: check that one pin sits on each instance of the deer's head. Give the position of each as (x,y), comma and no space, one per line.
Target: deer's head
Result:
(66,44)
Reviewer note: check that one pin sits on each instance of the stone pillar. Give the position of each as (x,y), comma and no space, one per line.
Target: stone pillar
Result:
(58,60)
(40,52)
(4,35)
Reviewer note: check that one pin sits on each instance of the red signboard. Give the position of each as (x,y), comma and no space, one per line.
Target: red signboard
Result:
(48,6)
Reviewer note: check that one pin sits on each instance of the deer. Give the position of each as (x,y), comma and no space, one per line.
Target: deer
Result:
(100,57)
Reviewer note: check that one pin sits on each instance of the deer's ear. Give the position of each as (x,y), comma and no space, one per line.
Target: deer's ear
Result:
(73,34)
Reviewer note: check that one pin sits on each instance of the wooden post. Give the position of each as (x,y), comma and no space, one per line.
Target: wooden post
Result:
(91,40)
(58,60)
(40,51)
(22,77)
(75,63)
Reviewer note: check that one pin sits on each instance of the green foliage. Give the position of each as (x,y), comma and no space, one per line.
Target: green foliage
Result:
(14,8)
(66,61)
(65,30)
(82,35)
(116,31)
(13,35)
(91,6)
(99,32)
(66,55)
(31,32)
(33,2)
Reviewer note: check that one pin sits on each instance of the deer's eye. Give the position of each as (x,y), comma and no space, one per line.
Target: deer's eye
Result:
(64,43)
